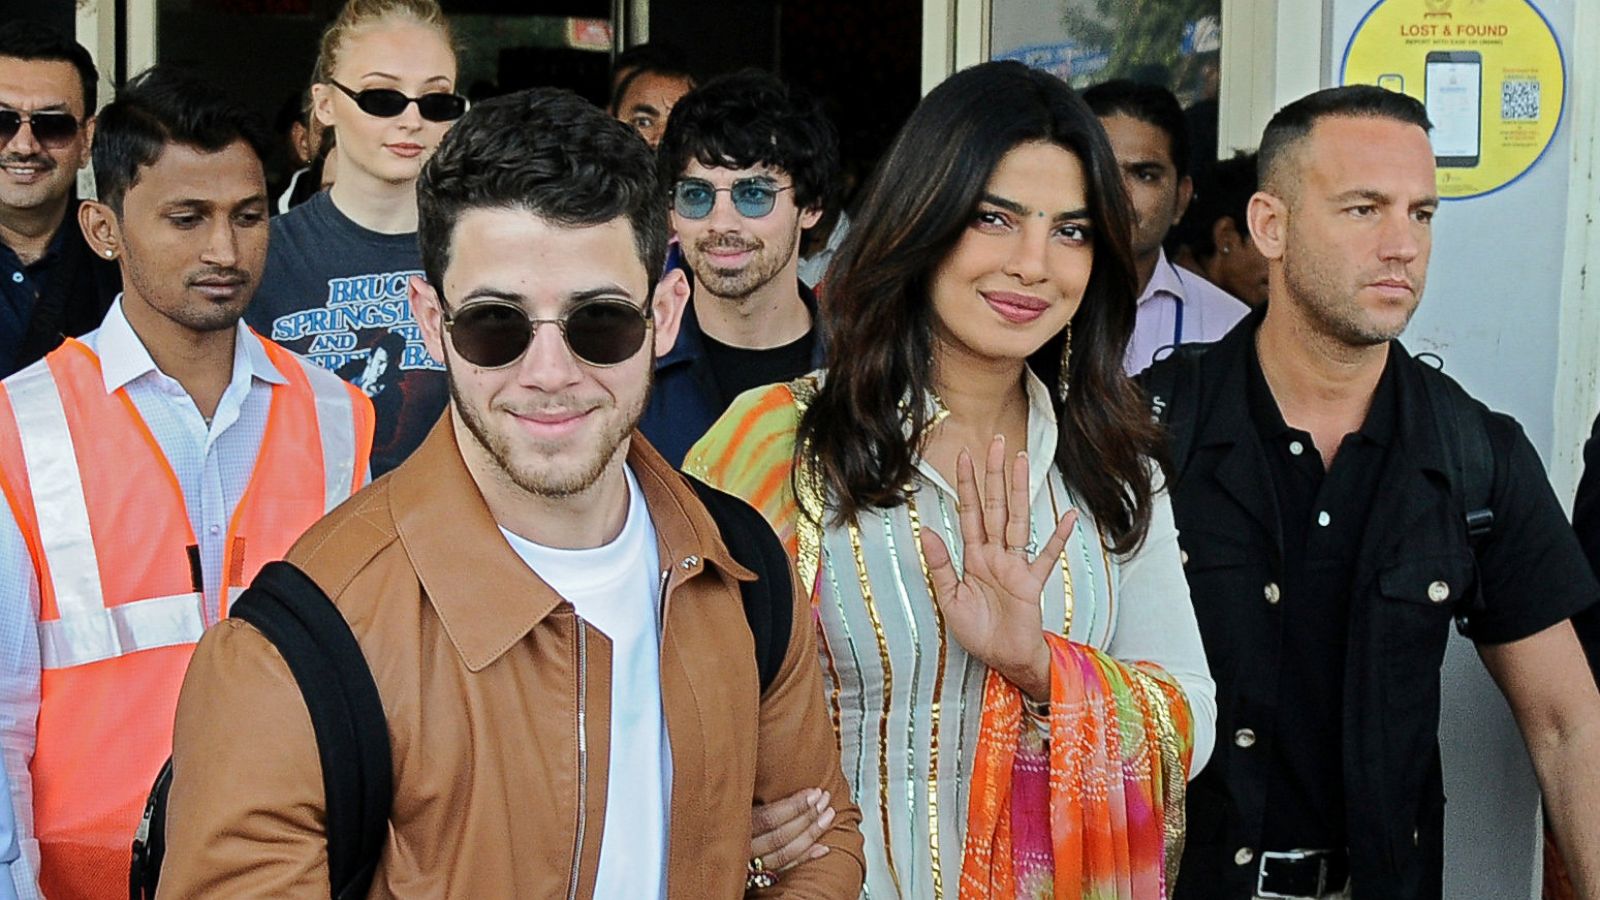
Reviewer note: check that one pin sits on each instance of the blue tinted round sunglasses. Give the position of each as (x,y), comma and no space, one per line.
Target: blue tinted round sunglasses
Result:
(694,198)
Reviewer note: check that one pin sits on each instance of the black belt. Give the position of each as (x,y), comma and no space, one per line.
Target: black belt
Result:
(1302,873)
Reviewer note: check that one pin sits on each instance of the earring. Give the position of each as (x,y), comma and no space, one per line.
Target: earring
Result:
(1066,357)
(1226,250)
(110,253)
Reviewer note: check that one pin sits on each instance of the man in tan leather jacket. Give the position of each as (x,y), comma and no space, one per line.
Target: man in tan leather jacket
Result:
(551,615)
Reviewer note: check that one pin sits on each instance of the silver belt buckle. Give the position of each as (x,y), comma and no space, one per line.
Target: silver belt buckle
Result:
(1321,856)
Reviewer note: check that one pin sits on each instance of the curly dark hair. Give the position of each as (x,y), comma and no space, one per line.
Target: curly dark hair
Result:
(751,118)
(549,152)
(880,321)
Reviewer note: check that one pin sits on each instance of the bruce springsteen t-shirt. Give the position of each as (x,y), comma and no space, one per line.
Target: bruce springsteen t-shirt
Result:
(335,293)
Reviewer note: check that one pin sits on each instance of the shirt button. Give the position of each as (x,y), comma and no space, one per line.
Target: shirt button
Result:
(1183,557)
(1296,448)
(1271,592)
(1438,592)
(216,529)
(1245,856)
(1323,518)
(16,277)
(1245,738)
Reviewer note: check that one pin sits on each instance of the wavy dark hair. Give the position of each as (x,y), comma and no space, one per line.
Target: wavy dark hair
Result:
(750,118)
(879,317)
(548,152)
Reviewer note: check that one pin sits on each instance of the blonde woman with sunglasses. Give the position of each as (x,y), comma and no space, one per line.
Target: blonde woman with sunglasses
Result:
(335,284)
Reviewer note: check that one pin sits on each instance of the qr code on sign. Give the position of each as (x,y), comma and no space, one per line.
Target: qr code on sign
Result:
(1519,100)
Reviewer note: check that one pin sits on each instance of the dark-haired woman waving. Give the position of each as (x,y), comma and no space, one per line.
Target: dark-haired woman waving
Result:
(1013,666)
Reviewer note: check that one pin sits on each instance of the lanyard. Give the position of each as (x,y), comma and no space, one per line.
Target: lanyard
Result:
(1177,325)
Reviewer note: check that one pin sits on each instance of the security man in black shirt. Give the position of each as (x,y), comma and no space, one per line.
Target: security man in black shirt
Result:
(1340,503)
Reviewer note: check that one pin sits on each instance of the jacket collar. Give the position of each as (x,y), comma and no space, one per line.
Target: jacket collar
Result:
(1225,422)
(486,596)
(1224,379)
(690,346)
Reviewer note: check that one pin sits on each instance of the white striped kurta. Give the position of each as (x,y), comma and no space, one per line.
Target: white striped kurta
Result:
(907,699)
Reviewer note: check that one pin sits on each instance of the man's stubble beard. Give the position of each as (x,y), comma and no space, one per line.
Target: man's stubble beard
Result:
(1331,308)
(500,452)
(741,285)
(205,319)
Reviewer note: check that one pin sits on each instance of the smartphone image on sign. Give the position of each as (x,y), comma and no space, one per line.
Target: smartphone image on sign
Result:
(1453,92)
(1392,81)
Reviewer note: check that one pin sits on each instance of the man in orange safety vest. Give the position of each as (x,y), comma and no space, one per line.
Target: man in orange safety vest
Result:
(149,469)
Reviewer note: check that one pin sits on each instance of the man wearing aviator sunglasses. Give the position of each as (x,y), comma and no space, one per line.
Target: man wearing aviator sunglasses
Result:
(750,163)
(547,603)
(51,284)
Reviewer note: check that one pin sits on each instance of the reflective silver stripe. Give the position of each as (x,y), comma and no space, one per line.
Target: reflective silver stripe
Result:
(233,592)
(337,427)
(120,630)
(58,499)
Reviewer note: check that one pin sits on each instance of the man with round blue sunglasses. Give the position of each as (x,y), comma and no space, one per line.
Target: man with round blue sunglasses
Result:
(749,164)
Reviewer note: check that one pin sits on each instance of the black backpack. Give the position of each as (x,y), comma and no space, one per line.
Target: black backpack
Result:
(352,732)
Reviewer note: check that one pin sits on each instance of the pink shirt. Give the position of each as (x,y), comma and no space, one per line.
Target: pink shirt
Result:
(1178,307)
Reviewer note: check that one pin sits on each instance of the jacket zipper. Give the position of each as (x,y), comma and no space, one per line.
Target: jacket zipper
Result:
(661,611)
(687,563)
(583,758)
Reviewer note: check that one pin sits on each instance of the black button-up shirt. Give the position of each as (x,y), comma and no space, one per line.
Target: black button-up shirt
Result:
(1322,515)
(64,293)
(20,288)
(1413,572)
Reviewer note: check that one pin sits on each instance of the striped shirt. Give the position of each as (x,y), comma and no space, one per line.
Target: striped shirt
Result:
(905,697)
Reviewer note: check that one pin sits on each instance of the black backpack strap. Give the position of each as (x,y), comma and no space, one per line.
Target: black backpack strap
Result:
(150,840)
(1173,386)
(352,731)
(769,600)
(1465,438)
(1470,456)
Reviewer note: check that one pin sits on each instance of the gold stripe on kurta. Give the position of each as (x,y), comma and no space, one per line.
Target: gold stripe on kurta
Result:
(1066,567)
(938,692)
(888,694)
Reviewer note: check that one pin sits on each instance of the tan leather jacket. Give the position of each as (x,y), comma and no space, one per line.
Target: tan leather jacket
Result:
(487,677)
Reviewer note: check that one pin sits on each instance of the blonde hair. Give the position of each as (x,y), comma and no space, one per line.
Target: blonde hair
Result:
(362,14)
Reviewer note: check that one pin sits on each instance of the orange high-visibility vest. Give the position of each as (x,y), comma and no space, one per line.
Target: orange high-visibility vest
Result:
(121,599)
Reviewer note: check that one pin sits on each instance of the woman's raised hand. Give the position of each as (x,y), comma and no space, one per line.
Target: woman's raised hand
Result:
(993,607)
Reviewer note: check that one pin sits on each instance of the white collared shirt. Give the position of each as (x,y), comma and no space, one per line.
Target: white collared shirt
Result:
(1178,306)
(213,463)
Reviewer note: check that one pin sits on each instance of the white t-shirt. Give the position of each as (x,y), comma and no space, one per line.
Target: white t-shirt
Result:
(614,588)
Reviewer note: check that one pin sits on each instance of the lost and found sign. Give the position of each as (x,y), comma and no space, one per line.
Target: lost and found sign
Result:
(1490,73)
